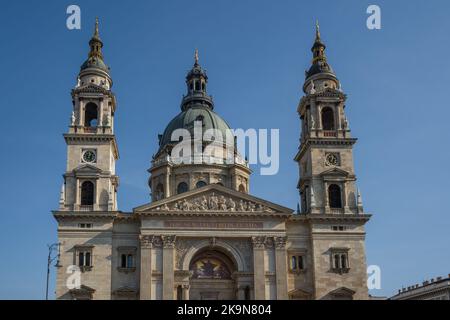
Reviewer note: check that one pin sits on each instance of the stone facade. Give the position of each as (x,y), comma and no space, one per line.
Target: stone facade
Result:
(203,236)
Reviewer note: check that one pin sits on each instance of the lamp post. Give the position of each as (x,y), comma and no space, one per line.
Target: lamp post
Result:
(51,248)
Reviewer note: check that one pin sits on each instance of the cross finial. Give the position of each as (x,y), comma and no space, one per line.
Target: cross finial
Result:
(317,29)
(196,56)
(96,34)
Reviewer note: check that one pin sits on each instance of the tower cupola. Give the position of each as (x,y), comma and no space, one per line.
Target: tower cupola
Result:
(196,81)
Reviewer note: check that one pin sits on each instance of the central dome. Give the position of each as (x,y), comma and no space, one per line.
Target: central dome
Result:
(186,119)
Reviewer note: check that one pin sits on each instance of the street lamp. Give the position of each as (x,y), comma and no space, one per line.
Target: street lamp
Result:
(51,248)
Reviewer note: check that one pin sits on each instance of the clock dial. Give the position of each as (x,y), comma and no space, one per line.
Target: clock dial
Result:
(332,159)
(89,156)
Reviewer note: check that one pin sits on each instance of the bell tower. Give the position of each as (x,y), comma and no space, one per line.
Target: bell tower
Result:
(90,181)
(327,178)
(330,202)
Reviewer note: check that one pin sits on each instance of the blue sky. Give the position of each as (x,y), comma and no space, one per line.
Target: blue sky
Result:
(255,52)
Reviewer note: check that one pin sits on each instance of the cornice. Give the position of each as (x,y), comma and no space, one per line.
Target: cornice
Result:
(93,137)
(315,217)
(209,213)
(323,141)
(101,215)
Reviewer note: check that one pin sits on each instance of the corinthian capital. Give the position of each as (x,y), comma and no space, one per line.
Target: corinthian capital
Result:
(146,241)
(168,241)
(258,242)
(280,242)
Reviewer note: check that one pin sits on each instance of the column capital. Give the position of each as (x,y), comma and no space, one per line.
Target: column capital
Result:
(168,241)
(146,241)
(258,242)
(280,242)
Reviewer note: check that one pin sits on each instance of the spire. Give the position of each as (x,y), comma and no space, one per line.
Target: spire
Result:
(317,30)
(95,43)
(318,47)
(95,56)
(319,61)
(96,34)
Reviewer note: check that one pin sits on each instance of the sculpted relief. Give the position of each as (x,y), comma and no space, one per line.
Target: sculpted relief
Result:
(214,202)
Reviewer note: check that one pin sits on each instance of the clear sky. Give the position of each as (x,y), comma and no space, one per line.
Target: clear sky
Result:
(255,52)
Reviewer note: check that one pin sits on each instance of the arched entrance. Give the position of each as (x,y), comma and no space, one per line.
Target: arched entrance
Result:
(211,278)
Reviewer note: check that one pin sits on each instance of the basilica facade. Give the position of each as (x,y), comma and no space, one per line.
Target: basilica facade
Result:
(203,235)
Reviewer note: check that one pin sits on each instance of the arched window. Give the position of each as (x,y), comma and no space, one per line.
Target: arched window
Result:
(220,183)
(182,187)
(334,196)
(241,188)
(159,192)
(90,115)
(87,193)
(200,184)
(327,119)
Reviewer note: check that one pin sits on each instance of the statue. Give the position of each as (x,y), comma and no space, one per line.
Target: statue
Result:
(231,204)
(346,124)
(73,119)
(204,203)
(222,203)
(213,202)
(241,206)
(185,205)
(313,123)
(78,82)
(106,120)
(313,88)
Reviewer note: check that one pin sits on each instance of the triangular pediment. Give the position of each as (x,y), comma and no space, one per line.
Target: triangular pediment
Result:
(87,168)
(335,172)
(214,198)
(342,292)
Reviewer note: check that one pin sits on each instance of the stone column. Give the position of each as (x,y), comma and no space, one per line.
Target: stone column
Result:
(167,183)
(259,277)
(146,267)
(168,266)
(186,288)
(281,267)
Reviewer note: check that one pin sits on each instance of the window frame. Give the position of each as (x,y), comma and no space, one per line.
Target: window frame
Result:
(127,251)
(83,250)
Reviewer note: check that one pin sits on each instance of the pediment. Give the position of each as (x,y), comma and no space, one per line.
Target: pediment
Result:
(214,198)
(91,88)
(335,172)
(342,292)
(82,290)
(87,169)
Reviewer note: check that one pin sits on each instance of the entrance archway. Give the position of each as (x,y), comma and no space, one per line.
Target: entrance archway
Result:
(211,278)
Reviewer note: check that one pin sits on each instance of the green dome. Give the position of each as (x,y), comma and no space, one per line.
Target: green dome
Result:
(186,119)
(95,62)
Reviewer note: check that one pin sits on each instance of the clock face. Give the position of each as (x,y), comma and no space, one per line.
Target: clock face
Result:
(89,156)
(332,159)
